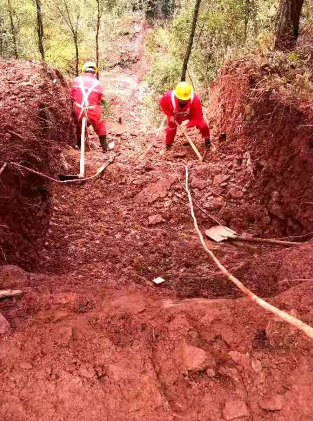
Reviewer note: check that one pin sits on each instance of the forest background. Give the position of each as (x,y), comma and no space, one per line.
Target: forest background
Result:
(66,33)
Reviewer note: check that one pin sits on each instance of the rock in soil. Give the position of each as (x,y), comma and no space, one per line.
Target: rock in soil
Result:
(12,277)
(235,408)
(4,325)
(274,403)
(155,220)
(194,359)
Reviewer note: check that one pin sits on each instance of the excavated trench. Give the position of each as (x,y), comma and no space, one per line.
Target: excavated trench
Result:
(94,336)
(135,222)
(134,225)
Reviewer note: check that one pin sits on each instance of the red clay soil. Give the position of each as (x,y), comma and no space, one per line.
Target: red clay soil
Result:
(259,105)
(93,338)
(36,123)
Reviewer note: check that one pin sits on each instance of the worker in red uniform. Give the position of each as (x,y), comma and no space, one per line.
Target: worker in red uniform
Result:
(87,93)
(180,105)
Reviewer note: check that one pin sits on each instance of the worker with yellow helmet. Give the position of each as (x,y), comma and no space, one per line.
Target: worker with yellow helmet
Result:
(87,92)
(180,105)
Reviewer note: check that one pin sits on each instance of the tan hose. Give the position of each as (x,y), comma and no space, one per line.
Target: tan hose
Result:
(308,330)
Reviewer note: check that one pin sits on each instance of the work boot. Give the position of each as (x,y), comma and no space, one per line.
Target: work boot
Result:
(103,143)
(207,143)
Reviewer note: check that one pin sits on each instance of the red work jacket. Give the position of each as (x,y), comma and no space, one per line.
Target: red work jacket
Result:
(87,91)
(192,111)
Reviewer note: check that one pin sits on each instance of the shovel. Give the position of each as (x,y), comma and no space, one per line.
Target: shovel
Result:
(82,157)
(220,233)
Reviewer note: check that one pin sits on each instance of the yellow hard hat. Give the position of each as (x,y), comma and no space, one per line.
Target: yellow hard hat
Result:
(90,65)
(183,91)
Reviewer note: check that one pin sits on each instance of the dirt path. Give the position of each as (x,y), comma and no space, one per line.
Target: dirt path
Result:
(94,338)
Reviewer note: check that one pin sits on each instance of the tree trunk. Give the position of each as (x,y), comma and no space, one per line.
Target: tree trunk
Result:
(99,14)
(254,17)
(74,31)
(13,31)
(40,31)
(247,18)
(1,39)
(76,54)
(288,24)
(191,37)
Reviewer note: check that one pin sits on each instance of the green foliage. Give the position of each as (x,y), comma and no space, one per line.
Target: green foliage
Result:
(293,56)
(166,67)
(225,28)
(58,39)
(107,110)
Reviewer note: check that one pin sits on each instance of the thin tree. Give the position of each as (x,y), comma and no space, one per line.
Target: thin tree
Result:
(2,32)
(250,14)
(288,24)
(247,14)
(254,16)
(40,31)
(13,29)
(191,37)
(100,8)
(73,24)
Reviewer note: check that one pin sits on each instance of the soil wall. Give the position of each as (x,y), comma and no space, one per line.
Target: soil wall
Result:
(35,124)
(264,109)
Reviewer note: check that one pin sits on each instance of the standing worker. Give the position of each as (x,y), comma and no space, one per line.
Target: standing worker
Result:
(180,105)
(87,93)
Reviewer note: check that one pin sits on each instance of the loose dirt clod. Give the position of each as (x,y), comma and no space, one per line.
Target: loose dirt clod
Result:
(274,403)
(235,408)
(4,325)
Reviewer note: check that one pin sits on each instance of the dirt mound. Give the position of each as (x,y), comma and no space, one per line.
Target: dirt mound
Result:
(132,354)
(263,105)
(36,122)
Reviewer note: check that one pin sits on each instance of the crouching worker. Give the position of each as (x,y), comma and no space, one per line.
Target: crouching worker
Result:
(87,94)
(180,105)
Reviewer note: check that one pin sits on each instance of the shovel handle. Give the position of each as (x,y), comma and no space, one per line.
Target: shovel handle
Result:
(191,143)
(267,241)
(82,149)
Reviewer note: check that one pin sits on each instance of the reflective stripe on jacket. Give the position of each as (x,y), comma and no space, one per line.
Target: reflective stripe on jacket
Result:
(191,111)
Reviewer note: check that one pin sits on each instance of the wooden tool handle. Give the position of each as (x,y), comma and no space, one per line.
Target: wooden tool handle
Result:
(82,149)
(191,143)
(267,241)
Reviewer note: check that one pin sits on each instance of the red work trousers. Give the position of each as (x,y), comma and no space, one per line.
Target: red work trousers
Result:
(94,119)
(172,129)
